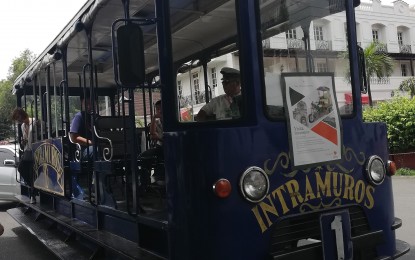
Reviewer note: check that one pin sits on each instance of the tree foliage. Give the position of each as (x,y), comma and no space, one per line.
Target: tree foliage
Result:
(408,85)
(7,100)
(377,63)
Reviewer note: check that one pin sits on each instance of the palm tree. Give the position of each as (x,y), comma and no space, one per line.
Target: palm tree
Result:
(409,86)
(377,63)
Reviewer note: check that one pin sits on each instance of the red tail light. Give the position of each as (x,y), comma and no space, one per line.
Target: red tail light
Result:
(391,168)
(222,188)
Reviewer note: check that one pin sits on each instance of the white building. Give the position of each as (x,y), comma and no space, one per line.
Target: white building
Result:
(391,26)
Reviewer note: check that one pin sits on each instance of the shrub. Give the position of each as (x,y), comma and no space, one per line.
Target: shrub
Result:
(405,172)
(399,115)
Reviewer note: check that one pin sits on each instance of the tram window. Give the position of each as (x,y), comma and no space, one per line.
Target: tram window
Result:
(196,84)
(295,39)
(193,92)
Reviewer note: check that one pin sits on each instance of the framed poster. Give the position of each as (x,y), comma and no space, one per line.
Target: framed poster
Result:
(314,126)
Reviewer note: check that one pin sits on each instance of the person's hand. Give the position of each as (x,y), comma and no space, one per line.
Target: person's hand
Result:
(156,115)
(1,230)
(24,142)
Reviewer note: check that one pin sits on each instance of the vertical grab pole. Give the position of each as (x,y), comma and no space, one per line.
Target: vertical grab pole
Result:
(35,94)
(54,101)
(48,105)
(205,75)
(64,90)
(41,105)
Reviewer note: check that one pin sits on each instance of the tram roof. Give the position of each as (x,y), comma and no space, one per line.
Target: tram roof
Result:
(100,14)
(186,20)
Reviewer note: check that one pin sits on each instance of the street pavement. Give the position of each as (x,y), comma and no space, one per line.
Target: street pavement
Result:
(404,198)
(17,242)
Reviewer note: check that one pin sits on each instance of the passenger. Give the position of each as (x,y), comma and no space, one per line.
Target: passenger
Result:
(30,132)
(156,153)
(225,106)
(81,129)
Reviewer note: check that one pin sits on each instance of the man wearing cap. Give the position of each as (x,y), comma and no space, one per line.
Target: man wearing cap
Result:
(225,106)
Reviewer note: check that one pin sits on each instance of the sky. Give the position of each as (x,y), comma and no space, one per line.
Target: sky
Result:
(33,24)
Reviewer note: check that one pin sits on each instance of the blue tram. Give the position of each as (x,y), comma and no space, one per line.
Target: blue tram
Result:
(295,173)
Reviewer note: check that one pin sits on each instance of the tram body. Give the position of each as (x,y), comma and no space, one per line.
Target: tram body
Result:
(266,185)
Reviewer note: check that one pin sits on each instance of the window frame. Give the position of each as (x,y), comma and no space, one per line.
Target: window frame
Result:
(318,33)
(375,35)
(400,38)
(404,70)
(291,34)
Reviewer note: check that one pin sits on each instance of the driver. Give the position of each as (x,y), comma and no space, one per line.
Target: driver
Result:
(225,106)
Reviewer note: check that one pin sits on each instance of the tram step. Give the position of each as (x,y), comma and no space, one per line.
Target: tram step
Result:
(52,239)
(106,240)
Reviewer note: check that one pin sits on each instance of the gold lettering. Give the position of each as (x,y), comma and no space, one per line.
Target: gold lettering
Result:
(50,155)
(294,191)
(309,193)
(268,208)
(259,219)
(369,194)
(348,187)
(337,187)
(324,187)
(359,191)
(281,198)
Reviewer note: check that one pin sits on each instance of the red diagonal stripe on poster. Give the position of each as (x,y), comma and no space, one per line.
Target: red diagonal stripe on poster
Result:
(326,131)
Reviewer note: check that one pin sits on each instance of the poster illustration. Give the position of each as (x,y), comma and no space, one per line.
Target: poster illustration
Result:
(315,131)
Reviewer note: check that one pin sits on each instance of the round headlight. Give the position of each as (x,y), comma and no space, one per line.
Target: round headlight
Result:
(254,184)
(375,170)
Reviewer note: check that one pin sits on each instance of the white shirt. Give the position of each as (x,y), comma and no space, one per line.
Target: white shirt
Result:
(27,133)
(220,106)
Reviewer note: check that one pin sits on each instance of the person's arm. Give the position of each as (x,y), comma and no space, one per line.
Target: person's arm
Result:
(204,116)
(201,116)
(76,138)
(24,136)
(153,129)
(75,131)
(206,113)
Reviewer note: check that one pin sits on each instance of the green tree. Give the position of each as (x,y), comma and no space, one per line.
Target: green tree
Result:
(377,62)
(408,85)
(7,100)
(19,64)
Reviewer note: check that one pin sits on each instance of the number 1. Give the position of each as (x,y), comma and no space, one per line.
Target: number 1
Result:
(337,226)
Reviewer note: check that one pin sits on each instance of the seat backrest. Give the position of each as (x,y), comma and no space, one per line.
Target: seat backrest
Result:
(114,136)
(77,150)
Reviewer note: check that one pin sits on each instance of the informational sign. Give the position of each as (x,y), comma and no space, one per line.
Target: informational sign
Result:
(48,166)
(314,125)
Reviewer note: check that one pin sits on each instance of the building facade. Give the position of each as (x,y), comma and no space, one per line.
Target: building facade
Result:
(392,27)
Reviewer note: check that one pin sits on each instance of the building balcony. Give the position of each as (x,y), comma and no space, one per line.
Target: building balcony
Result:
(381,47)
(189,100)
(295,44)
(323,45)
(380,81)
(266,44)
(405,48)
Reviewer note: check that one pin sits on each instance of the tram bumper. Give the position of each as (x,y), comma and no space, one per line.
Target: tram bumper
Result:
(309,230)
(315,251)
